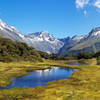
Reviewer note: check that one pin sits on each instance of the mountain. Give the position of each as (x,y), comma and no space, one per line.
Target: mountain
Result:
(10,32)
(65,40)
(88,43)
(18,51)
(42,41)
(46,42)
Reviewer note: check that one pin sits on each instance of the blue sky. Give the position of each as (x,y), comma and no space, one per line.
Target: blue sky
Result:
(61,18)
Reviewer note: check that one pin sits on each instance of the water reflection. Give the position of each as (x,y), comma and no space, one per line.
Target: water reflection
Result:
(42,77)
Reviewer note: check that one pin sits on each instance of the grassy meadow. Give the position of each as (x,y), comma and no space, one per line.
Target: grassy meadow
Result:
(84,84)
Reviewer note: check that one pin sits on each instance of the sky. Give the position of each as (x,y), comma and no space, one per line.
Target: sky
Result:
(61,18)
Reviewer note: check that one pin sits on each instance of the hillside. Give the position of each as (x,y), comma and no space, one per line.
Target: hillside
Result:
(17,51)
(42,41)
(89,43)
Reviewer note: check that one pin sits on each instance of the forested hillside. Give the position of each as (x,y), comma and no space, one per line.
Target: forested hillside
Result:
(17,51)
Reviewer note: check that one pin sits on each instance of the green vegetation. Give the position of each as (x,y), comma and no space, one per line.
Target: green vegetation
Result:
(18,59)
(84,55)
(97,55)
(98,60)
(83,84)
(16,51)
(15,69)
(52,56)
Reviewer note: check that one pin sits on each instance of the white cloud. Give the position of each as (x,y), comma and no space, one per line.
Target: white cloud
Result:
(81,3)
(97,3)
(84,5)
(85,12)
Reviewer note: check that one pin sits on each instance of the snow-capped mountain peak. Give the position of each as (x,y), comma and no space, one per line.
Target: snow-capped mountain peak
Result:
(96,29)
(44,41)
(2,25)
(6,27)
(95,32)
(44,33)
(77,38)
(41,36)
(10,32)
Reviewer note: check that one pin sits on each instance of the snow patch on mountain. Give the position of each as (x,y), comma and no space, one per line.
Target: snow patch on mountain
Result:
(95,32)
(77,38)
(42,41)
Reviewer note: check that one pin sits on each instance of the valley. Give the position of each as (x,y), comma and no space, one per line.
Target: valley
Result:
(46,42)
(49,50)
(79,87)
(75,78)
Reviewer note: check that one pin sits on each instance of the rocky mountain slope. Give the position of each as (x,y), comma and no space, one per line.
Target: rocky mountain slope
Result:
(88,43)
(42,41)
(10,32)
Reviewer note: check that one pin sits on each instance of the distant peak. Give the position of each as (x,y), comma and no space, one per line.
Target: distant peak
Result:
(6,27)
(74,36)
(78,38)
(44,32)
(2,23)
(95,31)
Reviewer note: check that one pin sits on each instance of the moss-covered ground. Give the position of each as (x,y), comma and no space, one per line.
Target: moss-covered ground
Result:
(82,85)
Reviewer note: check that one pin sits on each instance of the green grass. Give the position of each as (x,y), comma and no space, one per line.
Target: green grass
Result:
(16,69)
(82,85)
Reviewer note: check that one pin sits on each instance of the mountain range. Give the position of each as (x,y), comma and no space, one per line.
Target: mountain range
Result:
(46,42)
(87,43)
(42,41)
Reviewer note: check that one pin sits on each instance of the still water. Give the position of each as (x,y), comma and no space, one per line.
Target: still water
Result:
(77,63)
(41,77)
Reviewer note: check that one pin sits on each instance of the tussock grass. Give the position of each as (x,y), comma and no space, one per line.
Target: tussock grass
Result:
(16,69)
(82,85)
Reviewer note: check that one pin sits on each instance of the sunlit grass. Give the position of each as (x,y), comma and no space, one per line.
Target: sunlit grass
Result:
(82,85)
(16,69)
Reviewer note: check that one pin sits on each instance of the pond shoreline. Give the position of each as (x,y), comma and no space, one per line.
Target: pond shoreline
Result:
(41,77)
(30,67)
(83,84)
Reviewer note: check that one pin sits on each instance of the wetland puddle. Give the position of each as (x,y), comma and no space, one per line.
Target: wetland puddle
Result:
(41,77)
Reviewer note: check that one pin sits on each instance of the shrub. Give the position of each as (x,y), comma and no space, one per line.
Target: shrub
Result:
(84,56)
(15,51)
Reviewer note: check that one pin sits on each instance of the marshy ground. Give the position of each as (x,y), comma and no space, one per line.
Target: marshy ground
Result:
(84,84)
